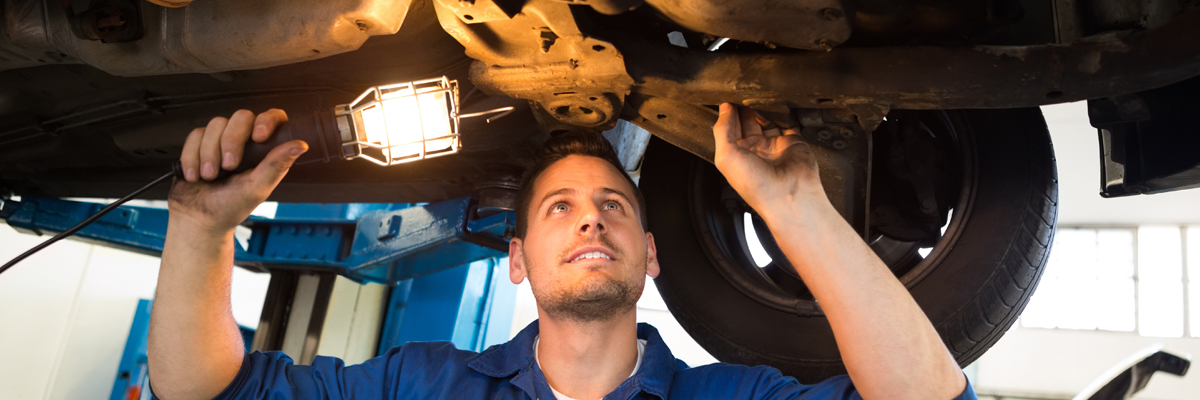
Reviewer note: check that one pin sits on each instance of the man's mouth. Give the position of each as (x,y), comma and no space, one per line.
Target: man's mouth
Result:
(591,252)
(594,254)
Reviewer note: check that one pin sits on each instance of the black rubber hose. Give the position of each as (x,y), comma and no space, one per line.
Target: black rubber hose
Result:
(89,220)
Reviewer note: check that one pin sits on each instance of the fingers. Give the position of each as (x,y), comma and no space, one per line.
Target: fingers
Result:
(769,129)
(233,139)
(266,123)
(271,170)
(210,148)
(190,158)
(750,124)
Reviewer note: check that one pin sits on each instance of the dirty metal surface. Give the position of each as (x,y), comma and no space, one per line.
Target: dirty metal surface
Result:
(206,37)
(540,54)
(926,77)
(809,25)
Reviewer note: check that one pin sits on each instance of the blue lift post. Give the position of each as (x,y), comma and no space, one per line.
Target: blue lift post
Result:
(132,371)
(441,259)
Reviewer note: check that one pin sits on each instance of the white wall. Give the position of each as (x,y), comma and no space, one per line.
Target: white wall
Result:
(1063,362)
(66,311)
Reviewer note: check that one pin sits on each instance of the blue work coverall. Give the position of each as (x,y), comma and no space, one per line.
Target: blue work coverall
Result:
(437,370)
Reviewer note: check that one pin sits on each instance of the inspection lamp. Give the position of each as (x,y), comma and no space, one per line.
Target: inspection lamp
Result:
(386,125)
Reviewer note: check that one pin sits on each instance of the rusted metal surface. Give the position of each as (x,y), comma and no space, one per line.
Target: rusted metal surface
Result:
(927,77)
(610,7)
(205,37)
(687,126)
(480,11)
(540,54)
(809,24)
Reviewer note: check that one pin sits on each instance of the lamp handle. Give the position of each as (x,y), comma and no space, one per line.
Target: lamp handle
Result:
(317,129)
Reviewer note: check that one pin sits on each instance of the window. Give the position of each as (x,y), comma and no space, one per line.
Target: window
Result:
(1120,279)
(1160,281)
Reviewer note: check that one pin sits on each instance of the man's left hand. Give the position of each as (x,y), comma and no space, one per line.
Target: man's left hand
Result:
(763,163)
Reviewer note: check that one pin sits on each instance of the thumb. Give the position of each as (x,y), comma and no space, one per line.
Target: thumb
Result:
(271,170)
(728,127)
(727,131)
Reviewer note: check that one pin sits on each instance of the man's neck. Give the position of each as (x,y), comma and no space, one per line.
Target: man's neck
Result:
(587,360)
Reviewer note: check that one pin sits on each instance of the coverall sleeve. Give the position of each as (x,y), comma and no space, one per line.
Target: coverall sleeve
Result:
(777,386)
(273,375)
(737,381)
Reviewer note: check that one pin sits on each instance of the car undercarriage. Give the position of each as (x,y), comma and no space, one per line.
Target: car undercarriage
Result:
(922,114)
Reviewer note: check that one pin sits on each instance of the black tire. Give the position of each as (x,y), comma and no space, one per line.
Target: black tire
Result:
(973,286)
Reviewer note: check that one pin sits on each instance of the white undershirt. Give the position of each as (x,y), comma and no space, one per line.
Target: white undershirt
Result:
(560,396)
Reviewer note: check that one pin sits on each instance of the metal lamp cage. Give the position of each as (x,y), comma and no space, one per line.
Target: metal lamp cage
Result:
(383,153)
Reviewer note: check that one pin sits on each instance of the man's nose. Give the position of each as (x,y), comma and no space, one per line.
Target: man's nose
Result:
(590,222)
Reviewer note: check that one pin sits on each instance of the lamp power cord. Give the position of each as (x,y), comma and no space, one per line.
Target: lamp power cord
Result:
(86,222)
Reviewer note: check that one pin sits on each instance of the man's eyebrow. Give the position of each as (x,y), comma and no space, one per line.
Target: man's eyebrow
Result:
(573,191)
(556,193)
(616,192)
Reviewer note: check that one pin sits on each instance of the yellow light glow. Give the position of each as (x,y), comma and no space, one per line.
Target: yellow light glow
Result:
(406,121)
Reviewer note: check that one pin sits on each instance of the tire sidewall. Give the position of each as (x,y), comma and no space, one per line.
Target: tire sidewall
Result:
(972,293)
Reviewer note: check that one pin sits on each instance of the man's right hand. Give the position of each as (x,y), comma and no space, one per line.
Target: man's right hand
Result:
(195,349)
(218,207)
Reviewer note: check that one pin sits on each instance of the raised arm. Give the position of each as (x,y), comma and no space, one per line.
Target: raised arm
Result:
(890,348)
(194,346)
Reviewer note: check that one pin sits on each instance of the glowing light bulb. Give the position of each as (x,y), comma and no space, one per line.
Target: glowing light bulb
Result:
(406,121)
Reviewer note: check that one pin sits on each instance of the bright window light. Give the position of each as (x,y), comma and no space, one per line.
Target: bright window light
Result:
(761,258)
(1114,278)
(1088,283)
(1193,277)
(1160,284)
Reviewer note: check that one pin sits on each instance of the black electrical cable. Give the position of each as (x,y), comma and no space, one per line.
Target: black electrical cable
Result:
(87,221)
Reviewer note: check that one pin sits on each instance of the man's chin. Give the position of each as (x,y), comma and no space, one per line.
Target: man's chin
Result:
(599,300)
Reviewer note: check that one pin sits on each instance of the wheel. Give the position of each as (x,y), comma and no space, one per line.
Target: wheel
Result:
(962,209)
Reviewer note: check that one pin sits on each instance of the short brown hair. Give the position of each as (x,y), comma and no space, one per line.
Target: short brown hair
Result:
(558,148)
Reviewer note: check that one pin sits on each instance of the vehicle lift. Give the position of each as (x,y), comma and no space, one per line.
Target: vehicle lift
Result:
(437,263)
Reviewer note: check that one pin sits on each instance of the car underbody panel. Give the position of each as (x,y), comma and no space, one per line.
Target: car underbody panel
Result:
(90,108)
(205,37)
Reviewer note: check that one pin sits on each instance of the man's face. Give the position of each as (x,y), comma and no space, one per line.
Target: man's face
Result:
(585,251)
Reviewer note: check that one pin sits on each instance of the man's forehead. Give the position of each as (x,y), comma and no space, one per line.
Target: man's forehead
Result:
(576,174)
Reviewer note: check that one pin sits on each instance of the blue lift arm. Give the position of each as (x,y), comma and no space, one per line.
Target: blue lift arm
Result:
(380,245)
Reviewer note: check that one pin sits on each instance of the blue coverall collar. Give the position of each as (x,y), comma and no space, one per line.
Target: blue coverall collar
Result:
(516,358)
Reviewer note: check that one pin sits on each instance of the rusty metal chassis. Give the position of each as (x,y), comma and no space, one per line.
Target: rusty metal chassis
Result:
(587,75)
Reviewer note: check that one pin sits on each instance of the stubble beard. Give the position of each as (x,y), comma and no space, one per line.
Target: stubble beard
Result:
(595,300)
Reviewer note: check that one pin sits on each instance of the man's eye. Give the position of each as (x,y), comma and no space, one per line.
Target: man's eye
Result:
(560,207)
(612,205)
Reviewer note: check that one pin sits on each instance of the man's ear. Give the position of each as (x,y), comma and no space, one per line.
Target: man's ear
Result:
(652,268)
(516,261)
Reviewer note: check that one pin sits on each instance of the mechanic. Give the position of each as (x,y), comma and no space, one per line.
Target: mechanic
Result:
(582,243)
